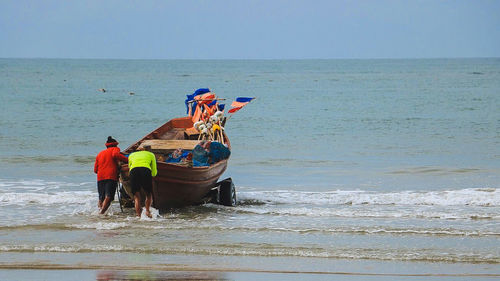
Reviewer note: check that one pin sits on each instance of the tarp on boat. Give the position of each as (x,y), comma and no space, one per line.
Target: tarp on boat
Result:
(190,98)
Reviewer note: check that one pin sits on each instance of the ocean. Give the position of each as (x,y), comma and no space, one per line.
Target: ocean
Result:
(391,165)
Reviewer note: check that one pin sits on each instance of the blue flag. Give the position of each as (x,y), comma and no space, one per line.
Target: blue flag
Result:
(243,99)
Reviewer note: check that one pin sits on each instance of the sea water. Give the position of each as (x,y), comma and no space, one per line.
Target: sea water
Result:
(372,160)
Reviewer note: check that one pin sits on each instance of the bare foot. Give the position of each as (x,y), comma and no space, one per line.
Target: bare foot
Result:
(148,213)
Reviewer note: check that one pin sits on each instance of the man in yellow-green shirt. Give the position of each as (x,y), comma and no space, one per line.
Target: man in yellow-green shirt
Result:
(142,166)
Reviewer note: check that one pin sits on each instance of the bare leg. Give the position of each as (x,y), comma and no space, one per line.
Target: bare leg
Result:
(137,203)
(149,200)
(105,204)
(99,204)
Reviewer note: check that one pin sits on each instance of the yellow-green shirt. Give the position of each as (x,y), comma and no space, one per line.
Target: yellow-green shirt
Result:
(143,159)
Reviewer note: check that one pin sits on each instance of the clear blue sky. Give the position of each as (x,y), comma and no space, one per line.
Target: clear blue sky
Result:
(257,29)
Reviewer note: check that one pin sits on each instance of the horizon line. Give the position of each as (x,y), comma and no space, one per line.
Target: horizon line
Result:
(255,59)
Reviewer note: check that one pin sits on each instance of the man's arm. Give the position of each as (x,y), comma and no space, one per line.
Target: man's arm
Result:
(95,166)
(154,171)
(118,156)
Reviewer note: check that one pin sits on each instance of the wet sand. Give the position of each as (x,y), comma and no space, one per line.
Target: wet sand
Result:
(204,275)
(132,266)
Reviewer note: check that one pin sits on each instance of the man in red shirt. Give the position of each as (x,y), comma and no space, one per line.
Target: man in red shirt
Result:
(106,168)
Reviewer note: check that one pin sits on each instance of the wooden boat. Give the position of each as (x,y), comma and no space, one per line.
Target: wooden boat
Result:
(178,185)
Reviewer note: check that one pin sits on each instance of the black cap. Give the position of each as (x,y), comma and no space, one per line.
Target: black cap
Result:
(111,139)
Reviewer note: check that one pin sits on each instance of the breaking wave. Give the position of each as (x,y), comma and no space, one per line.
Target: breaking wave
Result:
(47,192)
(462,197)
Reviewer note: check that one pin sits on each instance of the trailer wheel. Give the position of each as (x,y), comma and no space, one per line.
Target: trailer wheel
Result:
(213,196)
(227,193)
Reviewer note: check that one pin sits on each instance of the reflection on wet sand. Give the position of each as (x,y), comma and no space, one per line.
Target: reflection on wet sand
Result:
(138,275)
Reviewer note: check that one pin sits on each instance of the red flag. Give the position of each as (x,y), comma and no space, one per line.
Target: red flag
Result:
(205,98)
(238,104)
(234,109)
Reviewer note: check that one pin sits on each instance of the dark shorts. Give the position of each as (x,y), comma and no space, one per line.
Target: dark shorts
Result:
(106,188)
(140,178)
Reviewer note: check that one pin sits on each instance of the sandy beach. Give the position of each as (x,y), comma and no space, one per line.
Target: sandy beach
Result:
(115,266)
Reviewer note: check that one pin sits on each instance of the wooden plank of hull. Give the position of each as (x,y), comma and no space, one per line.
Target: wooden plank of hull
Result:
(162,145)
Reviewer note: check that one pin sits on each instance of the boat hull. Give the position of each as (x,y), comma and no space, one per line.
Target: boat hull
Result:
(176,185)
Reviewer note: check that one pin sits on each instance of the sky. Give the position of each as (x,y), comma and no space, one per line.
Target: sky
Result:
(257,29)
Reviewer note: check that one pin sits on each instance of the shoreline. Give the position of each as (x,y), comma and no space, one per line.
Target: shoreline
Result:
(165,268)
(127,266)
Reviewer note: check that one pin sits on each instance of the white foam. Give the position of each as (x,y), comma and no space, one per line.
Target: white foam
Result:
(100,225)
(37,185)
(62,248)
(44,198)
(431,255)
(155,214)
(415,212)
(472,196)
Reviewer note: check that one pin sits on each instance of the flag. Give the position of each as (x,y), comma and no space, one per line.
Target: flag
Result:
(205,98)
(234,109)
(243,99)
(239,104)
(191,107)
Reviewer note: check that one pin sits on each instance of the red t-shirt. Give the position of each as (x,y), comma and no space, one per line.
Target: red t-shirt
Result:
(106,163)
